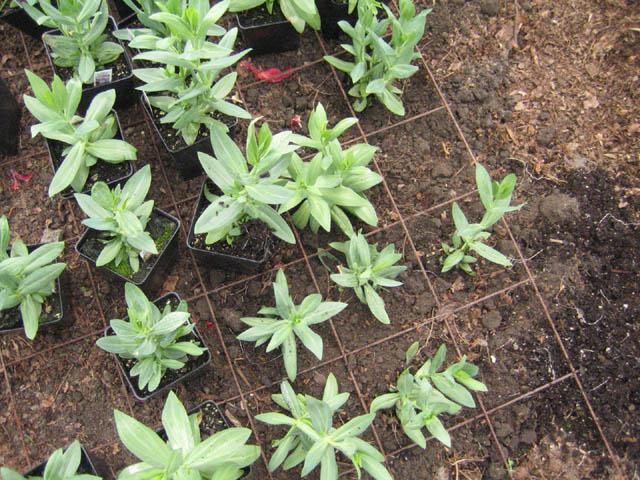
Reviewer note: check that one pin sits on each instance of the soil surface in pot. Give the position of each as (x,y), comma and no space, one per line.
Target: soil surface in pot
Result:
(258,17)
(160,228)
(170,375)
(51,312)
(212,421)
(253,242)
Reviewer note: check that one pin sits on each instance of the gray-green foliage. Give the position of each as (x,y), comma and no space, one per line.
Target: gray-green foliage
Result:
(249,185)
(89,139)
(83,44)
(151,337)
(378,64)
(187,85)
(368,270)
(143,10)
(297,12)
(470,237)
(420,398)
(121,215)
(280,325)
(333,183)
(27,279)
(314,440)
(61,465)
(185,455)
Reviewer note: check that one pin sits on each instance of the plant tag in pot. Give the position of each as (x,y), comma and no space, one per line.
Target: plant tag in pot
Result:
(102,76)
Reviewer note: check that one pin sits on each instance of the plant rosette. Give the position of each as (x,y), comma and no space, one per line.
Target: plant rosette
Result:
(171,378)
(117,75)
(163,229)
(110,173)
(84,469)
(266,32)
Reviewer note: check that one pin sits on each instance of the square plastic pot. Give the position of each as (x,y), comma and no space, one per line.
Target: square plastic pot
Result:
(332,12)
(65,320)
(185,159)
(122,9)
(68,193)
(154,279)
(18,18)
(221,261)
(10,114)
(270,37)
(124,87)
(86,466)
(132,381)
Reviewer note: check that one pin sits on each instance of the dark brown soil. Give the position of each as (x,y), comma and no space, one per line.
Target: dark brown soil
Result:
(162,230)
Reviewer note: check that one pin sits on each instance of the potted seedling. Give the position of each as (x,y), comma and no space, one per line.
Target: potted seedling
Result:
(12,13)
(234,218)
(10,115)
(82,150)
(333,183)
(314,440)
(468,237)
(279,326)
(190,449)
(379,64)
(70,464)
(367,270)
(420,398)
(81,45)
(31,293)
(186,94)
(127,236)
(274,26)
(156,342)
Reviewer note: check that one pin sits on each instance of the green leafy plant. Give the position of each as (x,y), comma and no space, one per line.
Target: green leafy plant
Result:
(420,398)
(320,134)
(312,438)
(377,64)
(62,465)
(189,88)
(367,271)
(298,12)
(152,30)
(27,279)
(249,185)
(90,138)
(82,44)
(185,455)
(151,337)
(496,199)
(122,215)
(280,325)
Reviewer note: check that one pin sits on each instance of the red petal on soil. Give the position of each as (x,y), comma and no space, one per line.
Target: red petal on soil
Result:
(270,75)
(15,176)
(209,324)
(23,178)
(295,122)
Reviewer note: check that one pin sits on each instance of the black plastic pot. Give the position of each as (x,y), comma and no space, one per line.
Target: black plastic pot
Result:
(222,261)
(186,159)
(19,19)
(124,87)
(332,12)
(85,467)
(10,114)
(65,318)
(133,382)
(154,279)
(68,193)
(277,35)
(122,8)
(210,408)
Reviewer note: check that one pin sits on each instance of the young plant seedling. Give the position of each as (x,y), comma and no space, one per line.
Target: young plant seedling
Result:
(185,455)
(152,30)
(190,91)
(377,64)
(89,139)
(313,439)
(367,271)
(62,465)
(496,199)
(280,325)
(297,12)
(121,215)
(27,279)
(333,183)
(421,397)
(151,338)
(82,44)
(249,185)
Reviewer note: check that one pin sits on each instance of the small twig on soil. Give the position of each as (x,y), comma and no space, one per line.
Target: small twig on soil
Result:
(626,224)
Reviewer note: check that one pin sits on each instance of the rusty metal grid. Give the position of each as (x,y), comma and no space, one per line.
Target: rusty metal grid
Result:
(438,319)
